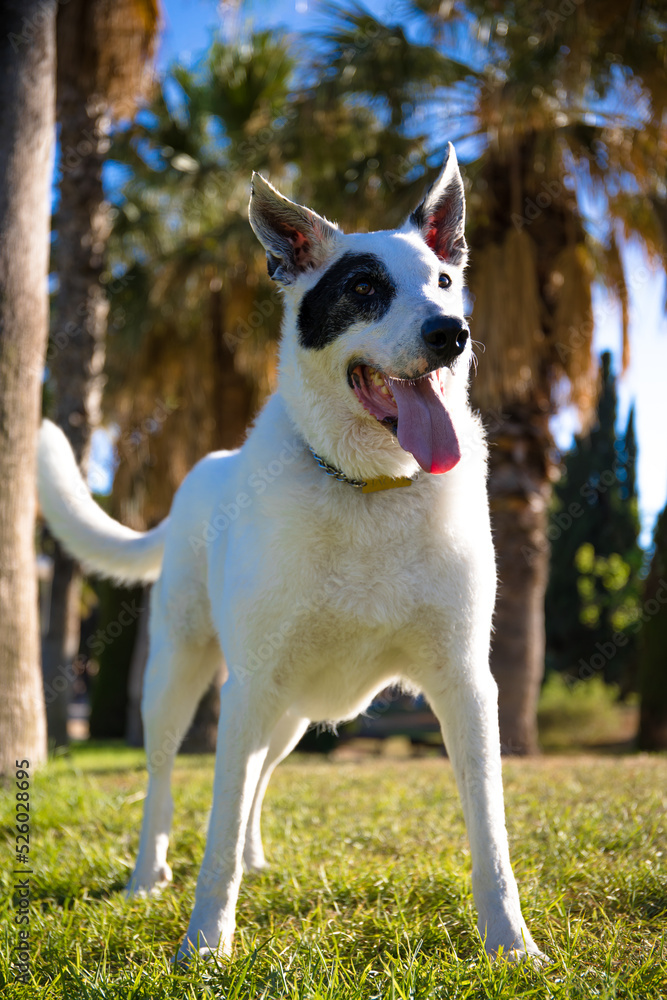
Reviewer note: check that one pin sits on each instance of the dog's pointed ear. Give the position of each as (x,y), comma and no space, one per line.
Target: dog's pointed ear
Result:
(295,238)
(442,214)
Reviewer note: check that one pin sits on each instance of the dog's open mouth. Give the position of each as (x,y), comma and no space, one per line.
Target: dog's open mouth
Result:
(415,409)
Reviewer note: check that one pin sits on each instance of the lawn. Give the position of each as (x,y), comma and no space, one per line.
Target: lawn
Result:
(368,895)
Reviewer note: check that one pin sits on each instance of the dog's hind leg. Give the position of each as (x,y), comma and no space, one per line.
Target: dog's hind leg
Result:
(176,677)
(248,715)
(284,738)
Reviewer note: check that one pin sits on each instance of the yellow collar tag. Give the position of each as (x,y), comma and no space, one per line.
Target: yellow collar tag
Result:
(371,486)
(384,483)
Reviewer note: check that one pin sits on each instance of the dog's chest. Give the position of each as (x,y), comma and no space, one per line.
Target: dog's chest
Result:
(329,574)
(336,622)
(371,562)
(332,596)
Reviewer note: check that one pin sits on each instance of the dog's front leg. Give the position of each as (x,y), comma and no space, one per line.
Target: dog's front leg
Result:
(246,722)
(467,708)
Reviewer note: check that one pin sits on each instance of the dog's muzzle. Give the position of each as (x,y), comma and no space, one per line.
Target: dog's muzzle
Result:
(446,338)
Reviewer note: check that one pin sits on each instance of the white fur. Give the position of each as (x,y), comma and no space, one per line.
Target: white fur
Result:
(101,544)
(318,595)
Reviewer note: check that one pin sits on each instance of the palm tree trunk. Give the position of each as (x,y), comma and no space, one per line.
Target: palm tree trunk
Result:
(519,489)
(77,350)
(27,86)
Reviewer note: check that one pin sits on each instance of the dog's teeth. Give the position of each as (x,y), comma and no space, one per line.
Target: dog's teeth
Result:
(384,390)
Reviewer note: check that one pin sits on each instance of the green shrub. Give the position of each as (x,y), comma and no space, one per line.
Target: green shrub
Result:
(583,714)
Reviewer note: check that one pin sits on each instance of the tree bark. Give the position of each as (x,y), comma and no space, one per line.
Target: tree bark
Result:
(519,490)
(27,90)
(76,354)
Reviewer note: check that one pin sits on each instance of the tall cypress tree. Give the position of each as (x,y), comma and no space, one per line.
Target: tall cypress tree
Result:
(653,647)
(593,594)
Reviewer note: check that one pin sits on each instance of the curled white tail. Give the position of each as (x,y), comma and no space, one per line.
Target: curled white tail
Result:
(101,545)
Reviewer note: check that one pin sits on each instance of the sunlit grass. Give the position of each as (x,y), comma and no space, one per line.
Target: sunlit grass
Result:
(369,890)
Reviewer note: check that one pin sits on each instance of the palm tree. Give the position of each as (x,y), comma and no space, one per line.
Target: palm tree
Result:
(27,97)
(103,47)
(560,118)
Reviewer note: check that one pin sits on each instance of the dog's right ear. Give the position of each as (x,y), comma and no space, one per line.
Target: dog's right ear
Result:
(295,239)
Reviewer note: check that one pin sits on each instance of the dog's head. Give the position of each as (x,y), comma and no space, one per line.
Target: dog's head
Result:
(375,352)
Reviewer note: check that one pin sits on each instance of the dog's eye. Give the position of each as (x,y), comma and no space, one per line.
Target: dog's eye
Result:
(364,288)
(444,281)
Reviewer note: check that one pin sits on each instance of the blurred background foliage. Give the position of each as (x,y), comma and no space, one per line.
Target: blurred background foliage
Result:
(595,587)
(558,114)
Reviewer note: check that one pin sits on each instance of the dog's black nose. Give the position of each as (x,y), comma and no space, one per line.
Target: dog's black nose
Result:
(446,336)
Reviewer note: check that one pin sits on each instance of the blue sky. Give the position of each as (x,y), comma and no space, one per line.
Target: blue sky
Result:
(187,31)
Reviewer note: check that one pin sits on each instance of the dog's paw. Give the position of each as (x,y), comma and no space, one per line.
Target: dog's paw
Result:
(151,883)
(517,947)
(253,864)
(535,958)
(187,951)
(253,853)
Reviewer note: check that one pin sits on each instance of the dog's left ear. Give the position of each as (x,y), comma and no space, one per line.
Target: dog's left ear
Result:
(442,214)
(295,238)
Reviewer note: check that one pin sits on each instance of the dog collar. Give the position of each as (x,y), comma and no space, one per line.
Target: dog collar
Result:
(365,485)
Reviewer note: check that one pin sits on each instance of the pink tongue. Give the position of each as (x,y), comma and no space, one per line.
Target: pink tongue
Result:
(425,428)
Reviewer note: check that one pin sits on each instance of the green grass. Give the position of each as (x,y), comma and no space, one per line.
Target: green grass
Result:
(369,893)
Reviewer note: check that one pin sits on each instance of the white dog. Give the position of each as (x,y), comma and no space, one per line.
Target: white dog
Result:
(345,547)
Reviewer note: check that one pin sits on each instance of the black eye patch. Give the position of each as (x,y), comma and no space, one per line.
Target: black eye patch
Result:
(332,306)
